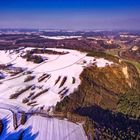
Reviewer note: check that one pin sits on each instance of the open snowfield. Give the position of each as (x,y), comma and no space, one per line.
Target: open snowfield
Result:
(41,86)
(60,37)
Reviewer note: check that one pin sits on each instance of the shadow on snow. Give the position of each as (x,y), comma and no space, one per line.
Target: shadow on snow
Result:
(21,134)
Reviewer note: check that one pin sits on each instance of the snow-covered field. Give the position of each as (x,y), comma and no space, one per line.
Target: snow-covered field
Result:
(48,83)
(60,37)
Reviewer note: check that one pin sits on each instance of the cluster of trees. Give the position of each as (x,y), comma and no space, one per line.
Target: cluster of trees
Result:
(63,81)
(33,58)
(17,93)
(57,80)
(129,104)
(31,55)
(110,125)
(45,51)
(29,78)
(103,55)
(43,77)
(39,93)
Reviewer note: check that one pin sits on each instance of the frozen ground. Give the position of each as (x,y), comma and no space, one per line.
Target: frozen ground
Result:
(48,83)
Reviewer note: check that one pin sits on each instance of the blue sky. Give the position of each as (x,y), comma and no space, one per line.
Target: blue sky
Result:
(70,14)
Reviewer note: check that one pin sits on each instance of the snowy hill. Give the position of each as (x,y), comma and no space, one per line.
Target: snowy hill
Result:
(30,87)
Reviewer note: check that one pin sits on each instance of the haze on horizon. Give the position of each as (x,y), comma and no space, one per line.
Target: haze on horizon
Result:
(74,14)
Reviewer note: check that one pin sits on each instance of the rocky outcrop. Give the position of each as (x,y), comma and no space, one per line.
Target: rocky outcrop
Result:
(99,94)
